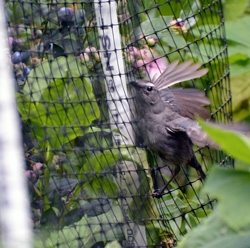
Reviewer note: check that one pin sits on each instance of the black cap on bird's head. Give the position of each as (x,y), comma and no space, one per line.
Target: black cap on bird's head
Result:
(143,85)
(145,92)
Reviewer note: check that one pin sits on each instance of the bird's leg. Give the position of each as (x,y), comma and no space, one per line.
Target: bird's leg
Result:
(195,164)
(158,192)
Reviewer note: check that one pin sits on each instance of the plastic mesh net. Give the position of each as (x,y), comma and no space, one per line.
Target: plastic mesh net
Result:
(90,176)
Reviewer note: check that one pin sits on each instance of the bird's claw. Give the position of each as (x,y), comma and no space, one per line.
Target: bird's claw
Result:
(157,193)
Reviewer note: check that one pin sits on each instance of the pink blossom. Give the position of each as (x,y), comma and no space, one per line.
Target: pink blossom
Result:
(133,51)
(37,167)
(90,49)
(139,63)
(31,175)
(148,62)
(84,57)
(178,24)
(156,67)
(10,42)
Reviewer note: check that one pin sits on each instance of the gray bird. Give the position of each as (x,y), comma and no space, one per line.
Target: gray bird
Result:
(166,117)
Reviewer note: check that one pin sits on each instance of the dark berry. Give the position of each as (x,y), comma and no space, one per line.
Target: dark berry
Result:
(26,71)
(16,58)
(22,78)
(25,56)
(65,14)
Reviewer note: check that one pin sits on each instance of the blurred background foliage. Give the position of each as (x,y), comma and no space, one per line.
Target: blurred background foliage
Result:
(237,23)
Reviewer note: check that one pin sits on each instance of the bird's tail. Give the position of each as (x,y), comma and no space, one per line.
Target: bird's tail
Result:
(195,164)
(179,73)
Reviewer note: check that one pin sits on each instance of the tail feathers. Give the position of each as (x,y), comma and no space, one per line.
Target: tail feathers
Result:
(179,73)
(195,164)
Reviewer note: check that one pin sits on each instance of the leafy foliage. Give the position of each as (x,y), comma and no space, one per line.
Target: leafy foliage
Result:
(213,232)
(58,105)
(88,231)
(237,26)
(228,225)
(235,144)
(60,99)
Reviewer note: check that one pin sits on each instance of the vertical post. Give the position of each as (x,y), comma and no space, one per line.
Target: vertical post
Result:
(119,111)
(15,221)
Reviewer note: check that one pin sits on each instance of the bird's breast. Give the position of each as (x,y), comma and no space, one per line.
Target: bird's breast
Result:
(175,148)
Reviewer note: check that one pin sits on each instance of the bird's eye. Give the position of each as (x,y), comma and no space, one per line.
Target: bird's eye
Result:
(149,88)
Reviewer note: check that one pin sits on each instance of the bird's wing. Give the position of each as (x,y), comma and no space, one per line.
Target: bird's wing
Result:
(197,135)
(192,129)
(179,73)
(189,102)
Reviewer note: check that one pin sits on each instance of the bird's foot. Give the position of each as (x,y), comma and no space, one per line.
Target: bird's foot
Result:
(158,193)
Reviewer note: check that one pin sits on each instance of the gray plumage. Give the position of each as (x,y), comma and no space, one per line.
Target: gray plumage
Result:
(166,117)
(179,73)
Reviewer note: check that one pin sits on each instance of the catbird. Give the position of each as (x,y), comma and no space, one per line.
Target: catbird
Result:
(166,117)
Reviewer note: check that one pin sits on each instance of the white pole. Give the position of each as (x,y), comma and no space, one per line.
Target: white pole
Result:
(15,221)
(119,111)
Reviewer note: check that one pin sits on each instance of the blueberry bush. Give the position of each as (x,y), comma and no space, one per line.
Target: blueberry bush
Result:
(71,162)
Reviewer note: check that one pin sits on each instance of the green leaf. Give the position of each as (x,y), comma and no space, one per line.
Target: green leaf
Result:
(231,188)
(109,158)
(153,235)
(237,145)
(212,233)
(47,71)
(67,107)
(93,170)
(69,45)
(236,30)
(158,24)
(143,206)
(101,187)
(93,208)
(96,207)
(88,231)
(240,69)
(173,40)
(237,52)
(189,9)
(114,244)
(49,218)
(62,186)
(172,205)
(241,92)
(232,9)
(101,162)
(191,221)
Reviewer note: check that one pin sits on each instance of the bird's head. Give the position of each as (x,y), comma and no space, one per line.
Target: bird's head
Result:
(145,93)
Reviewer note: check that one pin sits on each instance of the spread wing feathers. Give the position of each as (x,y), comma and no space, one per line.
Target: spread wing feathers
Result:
(179,73)
(200,138)
(242,128)
(193,130)
(190,102)
(197,135)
